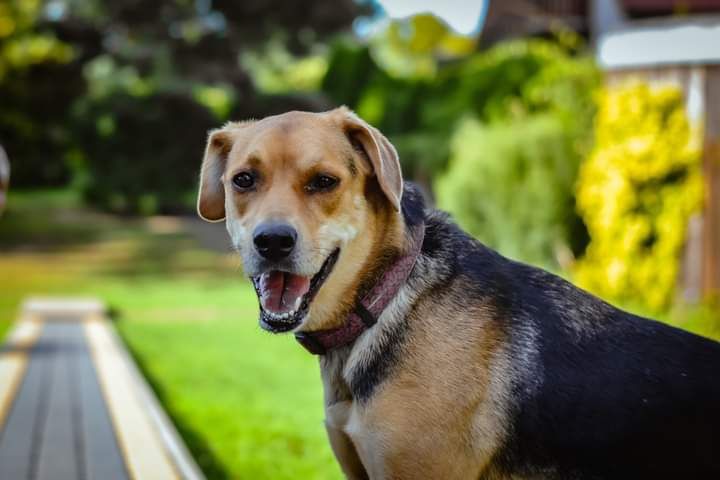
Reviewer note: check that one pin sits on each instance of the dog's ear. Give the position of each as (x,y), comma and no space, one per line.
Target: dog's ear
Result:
(381,153)
(211,195)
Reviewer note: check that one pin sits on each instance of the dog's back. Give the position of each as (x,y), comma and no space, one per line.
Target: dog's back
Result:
(626,397)
(604,394)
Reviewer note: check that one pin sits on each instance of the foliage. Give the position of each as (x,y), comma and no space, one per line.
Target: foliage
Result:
(23,44)
(62,59)
(412,47)
(137,161)
(636,193)
(39,79)
(702,319)
(420,113)
(199,41)
(514,157)
(275,70)
(513,195)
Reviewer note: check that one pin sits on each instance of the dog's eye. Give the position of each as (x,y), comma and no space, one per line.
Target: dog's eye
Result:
(244,180)
(321,183)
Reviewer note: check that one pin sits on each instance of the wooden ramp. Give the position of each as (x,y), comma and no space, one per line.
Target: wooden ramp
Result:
(73,405)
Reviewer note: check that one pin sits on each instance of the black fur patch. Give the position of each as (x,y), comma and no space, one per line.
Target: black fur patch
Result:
(412,204)
(365,379)
(368,376)
(615,396)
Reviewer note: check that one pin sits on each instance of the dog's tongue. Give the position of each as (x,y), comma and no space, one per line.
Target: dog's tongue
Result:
(281,292)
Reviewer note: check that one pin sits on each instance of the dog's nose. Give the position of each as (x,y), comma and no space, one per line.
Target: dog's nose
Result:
(274,241)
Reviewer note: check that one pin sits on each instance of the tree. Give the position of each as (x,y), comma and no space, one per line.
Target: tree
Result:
(40,77)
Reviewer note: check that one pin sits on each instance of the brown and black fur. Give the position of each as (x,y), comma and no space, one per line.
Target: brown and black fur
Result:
(485,368)
(594,392)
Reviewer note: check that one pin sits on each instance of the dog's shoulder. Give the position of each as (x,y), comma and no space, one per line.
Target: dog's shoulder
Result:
(597,391)
(611,394)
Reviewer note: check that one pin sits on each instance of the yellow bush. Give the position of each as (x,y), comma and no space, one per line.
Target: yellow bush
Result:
(636,193)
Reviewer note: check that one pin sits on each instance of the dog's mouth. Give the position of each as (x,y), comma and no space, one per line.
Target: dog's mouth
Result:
(286,297)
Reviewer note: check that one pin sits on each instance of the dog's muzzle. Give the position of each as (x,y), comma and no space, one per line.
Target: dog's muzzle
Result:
(285,297)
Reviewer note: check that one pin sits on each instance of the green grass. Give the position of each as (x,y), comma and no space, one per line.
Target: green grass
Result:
(248,404)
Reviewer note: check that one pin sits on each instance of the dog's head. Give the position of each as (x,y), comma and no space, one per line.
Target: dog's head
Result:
(311,201)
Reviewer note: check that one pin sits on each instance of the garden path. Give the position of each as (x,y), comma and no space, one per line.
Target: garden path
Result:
(73,405)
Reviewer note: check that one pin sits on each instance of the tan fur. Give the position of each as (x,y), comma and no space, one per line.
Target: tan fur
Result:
(441,414)
(433,419)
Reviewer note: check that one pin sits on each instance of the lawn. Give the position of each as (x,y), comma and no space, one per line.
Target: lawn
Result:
(248,404)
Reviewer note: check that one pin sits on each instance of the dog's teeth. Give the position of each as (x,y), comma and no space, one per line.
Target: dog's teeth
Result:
(298,300)
(280,317)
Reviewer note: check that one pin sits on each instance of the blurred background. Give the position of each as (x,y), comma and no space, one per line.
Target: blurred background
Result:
(579,136)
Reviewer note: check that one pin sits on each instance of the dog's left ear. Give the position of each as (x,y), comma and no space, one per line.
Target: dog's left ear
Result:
(211,194)
(381,153)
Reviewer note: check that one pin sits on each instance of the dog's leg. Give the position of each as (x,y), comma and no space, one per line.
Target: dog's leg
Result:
(346,454)
(341,444)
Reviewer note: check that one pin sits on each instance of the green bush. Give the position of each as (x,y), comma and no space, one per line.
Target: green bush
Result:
(528,111)
(509,81)
(40,77)
(510,185)
(142,154)
(636,193)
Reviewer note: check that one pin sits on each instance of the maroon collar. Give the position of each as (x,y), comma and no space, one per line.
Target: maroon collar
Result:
(368,309)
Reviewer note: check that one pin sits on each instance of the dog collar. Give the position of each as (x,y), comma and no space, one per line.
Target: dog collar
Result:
(368,309)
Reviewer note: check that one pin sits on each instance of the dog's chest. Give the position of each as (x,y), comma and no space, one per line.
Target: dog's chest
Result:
(347,419)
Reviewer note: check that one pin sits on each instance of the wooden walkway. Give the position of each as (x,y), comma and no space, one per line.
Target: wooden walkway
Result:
(73,405)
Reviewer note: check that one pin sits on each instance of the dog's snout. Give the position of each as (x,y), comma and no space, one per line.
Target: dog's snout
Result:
(274,241)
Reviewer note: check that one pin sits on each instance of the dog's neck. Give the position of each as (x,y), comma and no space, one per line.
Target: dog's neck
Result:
(370,306)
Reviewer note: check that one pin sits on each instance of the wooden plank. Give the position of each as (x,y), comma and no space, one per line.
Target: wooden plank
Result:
(77,308)
(58,450)
(13,361)
(103,459)
(179,454)
(82,409)
(175,448)
(143,449)
(21,431)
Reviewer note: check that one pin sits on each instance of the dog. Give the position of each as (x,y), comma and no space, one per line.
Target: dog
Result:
(441,359)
